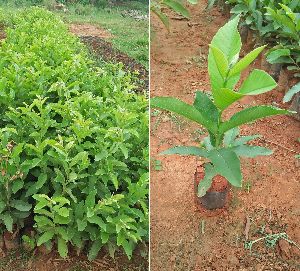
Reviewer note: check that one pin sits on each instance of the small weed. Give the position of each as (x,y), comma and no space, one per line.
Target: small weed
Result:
(248,186)
(270,241)
(157,165)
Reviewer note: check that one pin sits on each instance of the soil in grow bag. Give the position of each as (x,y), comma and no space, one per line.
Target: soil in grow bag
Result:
(217,196)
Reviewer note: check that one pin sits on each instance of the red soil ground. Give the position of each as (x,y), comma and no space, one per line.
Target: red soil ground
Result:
(183,238)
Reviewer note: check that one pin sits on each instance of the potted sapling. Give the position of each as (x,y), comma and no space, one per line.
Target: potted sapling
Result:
(223,146)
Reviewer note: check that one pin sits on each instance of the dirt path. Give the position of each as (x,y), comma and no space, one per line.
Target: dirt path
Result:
(181,238)
(98,41)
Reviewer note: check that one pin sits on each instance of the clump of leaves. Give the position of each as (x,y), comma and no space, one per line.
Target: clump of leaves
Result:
(73,142)
(224,146)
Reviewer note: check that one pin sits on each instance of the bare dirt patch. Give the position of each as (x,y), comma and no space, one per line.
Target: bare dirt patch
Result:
(181,237)
(85,29)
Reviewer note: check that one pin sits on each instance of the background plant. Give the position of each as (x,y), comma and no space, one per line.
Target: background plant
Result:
(157,7)
(224,146)
(73,136)
(278,24)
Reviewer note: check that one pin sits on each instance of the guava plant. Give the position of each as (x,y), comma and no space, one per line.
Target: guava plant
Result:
(224,146)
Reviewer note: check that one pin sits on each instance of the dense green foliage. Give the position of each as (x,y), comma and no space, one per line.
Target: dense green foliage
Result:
(278,24)
(73,137)
(224,147)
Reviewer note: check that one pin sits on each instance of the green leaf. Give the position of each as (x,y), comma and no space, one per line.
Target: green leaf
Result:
(220,60)
(257,82)
(291,92)
(228,39)
(94,250)
(177,7)
(45,237)
(206,107)
(29,164)
(8,221)
(81,224)
(251,114)
(246,61)
(164,18)
(101,155)
(230,136)
(224,97)
(205,184)
(275,55)
(41,180)
(104,237)
(78,158)
(182,150)
(63,211)
(227,164)
(128,248)
(97,220)
(121,237)
(17,185)
(244,139)
(62,247)
(251,151)
(21,205)
(183,109)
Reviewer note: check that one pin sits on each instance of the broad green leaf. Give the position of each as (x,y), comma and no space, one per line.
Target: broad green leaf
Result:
(274,55)
(101,155)
(81,224)
(205,184)
(62,247)
(17,150)
(220,60)
(121,237)
(41,180)
(207,108)
(244,139)
(21,205)
(257,82)
(104,237)
(224,97)
(177,7)
(251,151)
(251,114)
(164,18)
(97,220)
(79,158)
(45,237)
(183,109)
(228,39)
(291,92)
(61,200)
(246,61)
(182,150)
(94,250)
(8,221)
(17,185)
(29,164)
(230,136)
(63,211)
(128,248)
(227,164)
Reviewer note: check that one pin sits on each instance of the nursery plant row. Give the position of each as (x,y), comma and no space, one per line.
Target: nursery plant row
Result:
(73,143)
(276,23)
